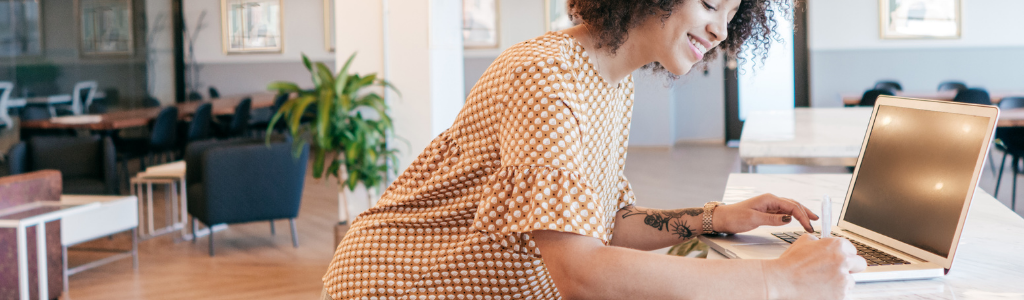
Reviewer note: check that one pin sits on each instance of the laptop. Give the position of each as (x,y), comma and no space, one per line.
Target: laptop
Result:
(909,195)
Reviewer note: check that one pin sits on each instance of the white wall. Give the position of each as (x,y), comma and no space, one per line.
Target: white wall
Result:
(847,55)
(160,50)
(303,27)
(844,25)
(691,109)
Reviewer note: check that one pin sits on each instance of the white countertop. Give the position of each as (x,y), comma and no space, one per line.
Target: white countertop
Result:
(805,136)
(989,262)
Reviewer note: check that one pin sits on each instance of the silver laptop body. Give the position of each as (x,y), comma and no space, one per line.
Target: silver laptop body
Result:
(909,195)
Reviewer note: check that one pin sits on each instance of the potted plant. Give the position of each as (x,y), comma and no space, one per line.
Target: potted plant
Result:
(347,129)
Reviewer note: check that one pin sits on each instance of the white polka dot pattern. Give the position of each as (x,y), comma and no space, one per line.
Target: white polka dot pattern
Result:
(539,145)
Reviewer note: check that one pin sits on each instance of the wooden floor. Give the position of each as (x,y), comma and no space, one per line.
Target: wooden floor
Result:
(249,263)
(252,264)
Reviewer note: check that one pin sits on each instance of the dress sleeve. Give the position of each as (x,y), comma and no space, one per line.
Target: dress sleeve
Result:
(538,186)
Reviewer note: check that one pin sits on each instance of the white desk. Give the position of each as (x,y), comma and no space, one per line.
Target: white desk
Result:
(988,265)
(803,136)
(36,214)
(173,175)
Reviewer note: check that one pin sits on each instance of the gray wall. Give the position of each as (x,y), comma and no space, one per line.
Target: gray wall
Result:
(848,56)
(245,78)
(834,72)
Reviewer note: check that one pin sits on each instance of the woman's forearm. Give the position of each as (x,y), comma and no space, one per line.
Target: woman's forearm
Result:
(649,229)
(582,268)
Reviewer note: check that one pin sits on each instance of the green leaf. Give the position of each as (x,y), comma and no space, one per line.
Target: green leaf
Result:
(326,79)
(305,61)
(318,162)
(296,113)
(283,87)
(342,81)
(323,117)
(285,109)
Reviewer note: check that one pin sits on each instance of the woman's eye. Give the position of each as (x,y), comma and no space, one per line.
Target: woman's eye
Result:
(708,6)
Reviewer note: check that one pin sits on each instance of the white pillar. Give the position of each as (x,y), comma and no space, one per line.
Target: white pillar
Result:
(417,46)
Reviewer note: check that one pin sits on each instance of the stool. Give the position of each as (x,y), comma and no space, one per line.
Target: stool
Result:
(172,175)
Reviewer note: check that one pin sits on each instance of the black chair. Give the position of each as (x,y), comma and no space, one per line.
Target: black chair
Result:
(162,141)
(869,97)
(150,102)
(952,86)
(889,85)
(261,116)
(194,96)
(244,180)
(973,95)
(35,112)
(214,94)
(238,124)
(1010,140)
(87,165)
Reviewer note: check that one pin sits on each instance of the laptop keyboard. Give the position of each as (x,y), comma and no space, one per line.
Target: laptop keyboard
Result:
(873,256)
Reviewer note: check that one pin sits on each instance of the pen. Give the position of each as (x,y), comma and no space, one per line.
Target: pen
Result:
(826,217)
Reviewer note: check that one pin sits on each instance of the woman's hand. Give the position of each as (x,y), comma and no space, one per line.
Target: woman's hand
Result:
(814,268)
(766,209)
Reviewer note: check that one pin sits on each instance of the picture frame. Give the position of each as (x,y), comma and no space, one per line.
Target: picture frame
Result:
(920,19)
(556,15)
(24,29)
(480,24)
(330,39)
(105,27)
(252,26)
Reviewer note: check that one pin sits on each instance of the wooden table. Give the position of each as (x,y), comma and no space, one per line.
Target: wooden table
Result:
(988,264)
(816,136)
(851,99)
(142,116)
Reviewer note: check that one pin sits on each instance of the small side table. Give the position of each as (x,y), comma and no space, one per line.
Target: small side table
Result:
(172,175)
(36,214)
(115,214)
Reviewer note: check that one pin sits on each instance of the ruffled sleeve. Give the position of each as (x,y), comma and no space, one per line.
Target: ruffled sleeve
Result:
(523,199)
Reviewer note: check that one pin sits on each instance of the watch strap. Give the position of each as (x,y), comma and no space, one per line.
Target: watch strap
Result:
(709,210)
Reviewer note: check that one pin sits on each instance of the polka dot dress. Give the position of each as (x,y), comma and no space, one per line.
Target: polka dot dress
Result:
(539,145)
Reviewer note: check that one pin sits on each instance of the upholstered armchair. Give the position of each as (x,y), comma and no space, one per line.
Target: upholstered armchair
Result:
(23,189)
(244,180)
(88,165)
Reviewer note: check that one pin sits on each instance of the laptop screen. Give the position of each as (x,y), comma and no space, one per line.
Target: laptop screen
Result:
(915,174)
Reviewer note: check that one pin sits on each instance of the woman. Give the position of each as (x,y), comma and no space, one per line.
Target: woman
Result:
(524,196)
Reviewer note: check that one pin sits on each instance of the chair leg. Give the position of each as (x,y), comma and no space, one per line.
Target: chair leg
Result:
(991,163)
(999,177)
(295,235)
(211,240)
(1013,198)
(194,229)
(272,231)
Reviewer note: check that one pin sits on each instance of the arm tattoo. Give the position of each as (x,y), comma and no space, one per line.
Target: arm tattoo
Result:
(667,220)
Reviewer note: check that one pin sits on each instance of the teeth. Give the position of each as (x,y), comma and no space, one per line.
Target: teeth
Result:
(699,46)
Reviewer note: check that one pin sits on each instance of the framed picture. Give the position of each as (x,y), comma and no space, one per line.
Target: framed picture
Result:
(329,36)
(920,19)
(106,27)
(251,26)
(556,13)
(480,24)
(20,29)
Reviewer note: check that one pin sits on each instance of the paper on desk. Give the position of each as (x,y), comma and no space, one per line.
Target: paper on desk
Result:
(83,119)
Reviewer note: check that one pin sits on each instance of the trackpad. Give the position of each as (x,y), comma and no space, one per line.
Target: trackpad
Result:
(760,251)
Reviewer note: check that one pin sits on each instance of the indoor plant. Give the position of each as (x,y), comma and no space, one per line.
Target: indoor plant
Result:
(349,127)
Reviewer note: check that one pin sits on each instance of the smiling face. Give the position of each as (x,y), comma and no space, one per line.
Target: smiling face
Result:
(693,28)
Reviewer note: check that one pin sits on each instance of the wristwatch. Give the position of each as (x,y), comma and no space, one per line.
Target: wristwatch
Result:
(709,210)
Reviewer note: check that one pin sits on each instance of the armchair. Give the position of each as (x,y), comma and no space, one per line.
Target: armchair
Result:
(23,189)
(244,180)
(87,164)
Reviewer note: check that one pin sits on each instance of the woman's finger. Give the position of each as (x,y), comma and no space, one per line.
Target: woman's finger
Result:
(856,264)
(793,208)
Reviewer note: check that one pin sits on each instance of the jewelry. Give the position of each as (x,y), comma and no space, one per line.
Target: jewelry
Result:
(709,210)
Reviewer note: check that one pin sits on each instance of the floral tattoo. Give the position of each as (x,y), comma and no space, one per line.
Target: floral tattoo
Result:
(666,220)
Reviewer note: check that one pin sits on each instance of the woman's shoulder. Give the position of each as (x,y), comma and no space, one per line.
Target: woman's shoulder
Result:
(551,50)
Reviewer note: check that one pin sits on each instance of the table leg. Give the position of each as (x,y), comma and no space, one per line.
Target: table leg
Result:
(44,289)
(135,248)
(149,200)
(64,260)
(184,204)
(22,263)
(170,208)
(173,186)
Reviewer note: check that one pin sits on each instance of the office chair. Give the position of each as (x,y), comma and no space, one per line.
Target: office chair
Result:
(973,95)
(952,86)
(1010,140)
(870,96)
(890,85)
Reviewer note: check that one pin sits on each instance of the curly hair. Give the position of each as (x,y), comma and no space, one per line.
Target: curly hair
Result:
(750,32)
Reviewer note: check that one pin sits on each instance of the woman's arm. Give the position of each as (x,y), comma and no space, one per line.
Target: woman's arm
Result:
(649,229)
(583,268)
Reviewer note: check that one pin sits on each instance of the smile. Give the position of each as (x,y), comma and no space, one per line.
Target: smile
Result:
(698,45)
